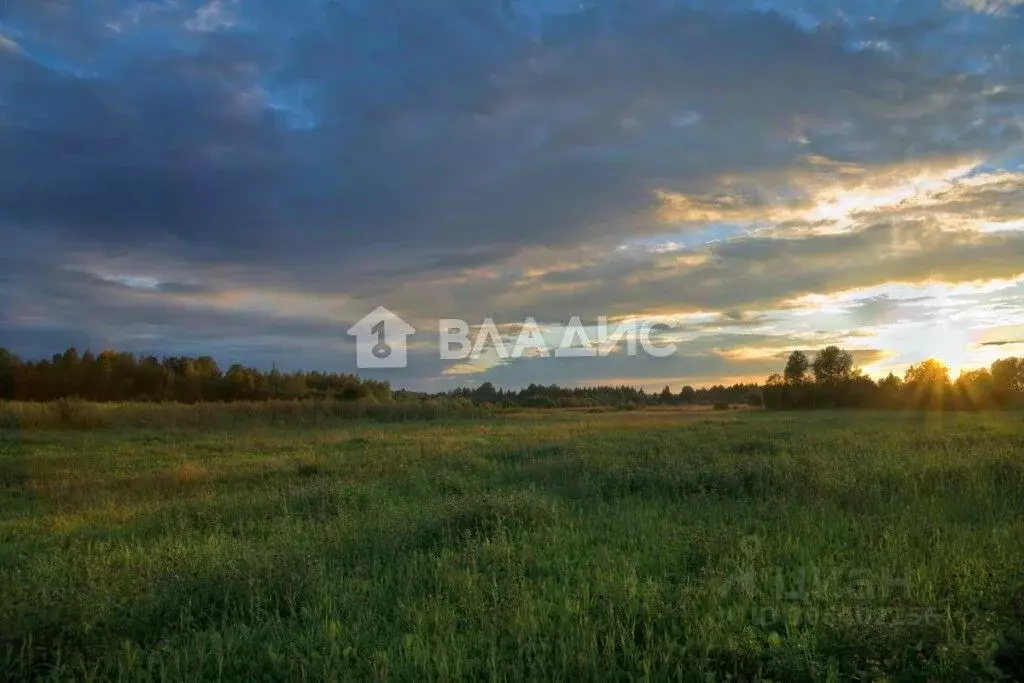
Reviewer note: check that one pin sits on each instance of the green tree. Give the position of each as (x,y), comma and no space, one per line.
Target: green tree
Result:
(891,382)
(67,369)
(796,368)
(975,389)
(929,373)
(9,364)
(485,393)
(928,384)
(1008,378)
(890,390)
(832,366)
(240,384)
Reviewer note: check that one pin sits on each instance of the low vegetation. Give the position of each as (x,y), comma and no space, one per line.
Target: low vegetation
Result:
(78,414)
(544,545)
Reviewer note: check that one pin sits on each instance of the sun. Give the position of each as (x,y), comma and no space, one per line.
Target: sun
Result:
(949,344)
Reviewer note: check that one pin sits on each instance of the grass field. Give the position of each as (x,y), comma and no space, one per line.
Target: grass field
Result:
(559,545)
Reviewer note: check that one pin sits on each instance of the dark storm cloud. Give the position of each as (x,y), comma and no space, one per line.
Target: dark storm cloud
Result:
(161,154)
(346,125)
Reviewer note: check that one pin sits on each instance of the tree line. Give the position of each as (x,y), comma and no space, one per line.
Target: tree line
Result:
(830,380)
(115,376)
(554,396)
(119,376)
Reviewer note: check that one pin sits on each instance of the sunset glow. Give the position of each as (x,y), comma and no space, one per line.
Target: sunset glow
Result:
(186,174)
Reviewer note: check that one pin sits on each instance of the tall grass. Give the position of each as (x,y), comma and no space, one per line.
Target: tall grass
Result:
(77,414)
(648,545)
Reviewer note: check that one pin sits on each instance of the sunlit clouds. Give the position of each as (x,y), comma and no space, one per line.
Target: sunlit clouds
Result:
(247,180)
(826,196)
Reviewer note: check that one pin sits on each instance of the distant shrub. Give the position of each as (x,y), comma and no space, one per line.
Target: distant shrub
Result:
(73,412)
(721,405)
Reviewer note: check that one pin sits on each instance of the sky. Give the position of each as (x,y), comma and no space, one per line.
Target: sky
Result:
(248,178)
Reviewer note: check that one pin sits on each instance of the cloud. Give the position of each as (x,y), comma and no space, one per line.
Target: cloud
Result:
(212,16)
(8,46)
(821,194)
(208,164)
(583,125)
(994,7)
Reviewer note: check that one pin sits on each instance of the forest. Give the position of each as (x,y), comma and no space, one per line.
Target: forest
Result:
(828,380)
(114,376)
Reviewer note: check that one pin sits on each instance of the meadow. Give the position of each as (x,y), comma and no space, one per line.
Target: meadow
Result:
(554,545)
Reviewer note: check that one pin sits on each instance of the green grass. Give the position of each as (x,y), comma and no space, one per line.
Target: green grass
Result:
(79,414)
(559,545)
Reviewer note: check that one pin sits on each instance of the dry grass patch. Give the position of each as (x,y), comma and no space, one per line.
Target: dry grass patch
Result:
(189,473)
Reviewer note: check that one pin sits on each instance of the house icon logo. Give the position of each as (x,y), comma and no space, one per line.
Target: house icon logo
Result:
(381,340)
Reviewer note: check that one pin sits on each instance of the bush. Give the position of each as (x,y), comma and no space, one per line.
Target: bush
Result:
(721,405)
